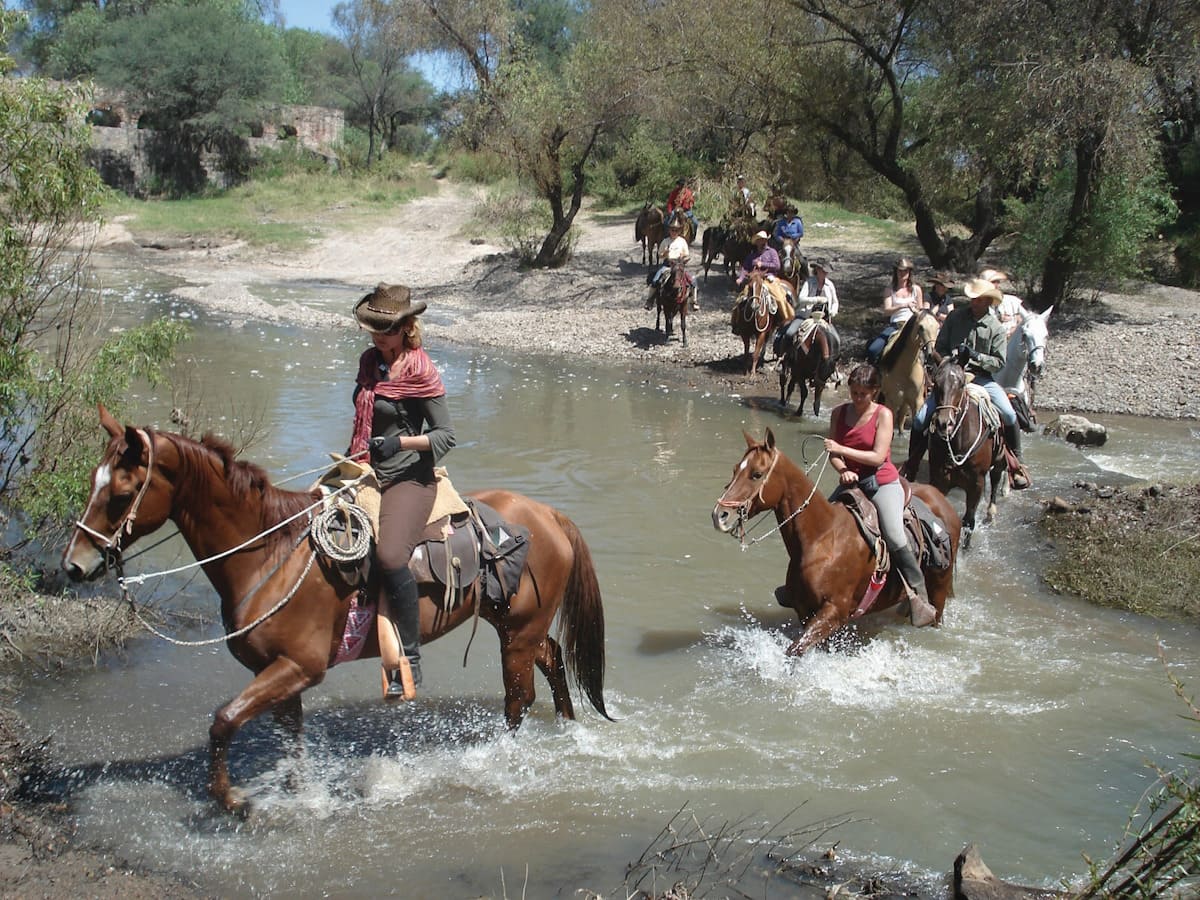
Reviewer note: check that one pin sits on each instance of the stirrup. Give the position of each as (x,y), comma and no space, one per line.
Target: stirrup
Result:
(398,684)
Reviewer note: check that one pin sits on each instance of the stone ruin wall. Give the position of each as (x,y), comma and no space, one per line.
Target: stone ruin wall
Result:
(119,146)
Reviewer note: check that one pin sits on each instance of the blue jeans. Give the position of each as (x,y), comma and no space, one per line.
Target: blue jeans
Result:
(875,348)
(995,392)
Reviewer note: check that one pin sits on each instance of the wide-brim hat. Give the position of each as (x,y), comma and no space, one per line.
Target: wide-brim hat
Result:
(762,236)
(822,263)
(903,263)
(978,287)
(941,278)
(385,307)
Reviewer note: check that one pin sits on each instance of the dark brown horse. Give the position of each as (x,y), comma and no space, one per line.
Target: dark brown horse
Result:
(672,296)
(756,314)
(809,358)
(963,446)
(830,563)
(649,229)
(290,606)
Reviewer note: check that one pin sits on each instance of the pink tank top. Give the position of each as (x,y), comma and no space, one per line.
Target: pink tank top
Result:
(862,437)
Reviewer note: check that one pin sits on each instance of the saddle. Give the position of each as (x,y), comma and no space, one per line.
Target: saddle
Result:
(927,536)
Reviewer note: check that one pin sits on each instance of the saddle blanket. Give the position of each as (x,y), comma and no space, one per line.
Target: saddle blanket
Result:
(358,625)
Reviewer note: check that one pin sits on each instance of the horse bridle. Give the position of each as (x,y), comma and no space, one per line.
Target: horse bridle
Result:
(743,508)
(958,417)
(111,545)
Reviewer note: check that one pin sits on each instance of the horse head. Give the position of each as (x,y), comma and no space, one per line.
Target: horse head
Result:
(749,491)
(130,498)
(950,388)
(1034,332)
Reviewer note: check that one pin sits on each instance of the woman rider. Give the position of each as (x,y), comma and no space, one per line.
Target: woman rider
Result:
(860,450)
(401,418)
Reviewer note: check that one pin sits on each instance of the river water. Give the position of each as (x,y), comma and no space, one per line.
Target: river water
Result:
(1027,723)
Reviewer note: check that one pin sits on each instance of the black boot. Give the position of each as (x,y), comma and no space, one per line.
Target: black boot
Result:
(918,442)
(905,561)
(405,607)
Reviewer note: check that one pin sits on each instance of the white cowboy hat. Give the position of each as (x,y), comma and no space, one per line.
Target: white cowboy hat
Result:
(762,236)
(978,287)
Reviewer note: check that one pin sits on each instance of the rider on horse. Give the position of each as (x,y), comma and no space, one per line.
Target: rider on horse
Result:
(402,419)
(822,297)
(974,336)
(790,227)
(860,450)
(681,200)
(675,253)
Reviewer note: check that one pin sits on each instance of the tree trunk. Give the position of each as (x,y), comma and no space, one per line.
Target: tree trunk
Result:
(1060,265)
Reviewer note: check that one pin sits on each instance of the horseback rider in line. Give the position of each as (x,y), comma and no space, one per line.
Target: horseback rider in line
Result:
(682,200)
(975,337)
(674,252)
(860,450)
(819,291)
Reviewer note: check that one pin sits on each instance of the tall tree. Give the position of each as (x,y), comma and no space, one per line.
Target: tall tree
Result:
(198,73)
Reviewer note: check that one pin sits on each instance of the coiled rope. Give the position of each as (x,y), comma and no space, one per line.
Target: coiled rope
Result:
(342,532)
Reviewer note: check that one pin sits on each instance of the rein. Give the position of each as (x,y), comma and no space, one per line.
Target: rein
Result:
(959,419)
(744,506)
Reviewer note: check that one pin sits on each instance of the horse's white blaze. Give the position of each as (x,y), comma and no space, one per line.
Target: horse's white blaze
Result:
(100,481)
(742,464)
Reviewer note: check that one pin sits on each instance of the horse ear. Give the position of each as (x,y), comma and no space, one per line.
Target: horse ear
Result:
(770,439)
(111,425)
(134,444)
(1049,310)
(750,442)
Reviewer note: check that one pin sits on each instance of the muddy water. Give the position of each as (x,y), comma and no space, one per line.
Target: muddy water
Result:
(1026,723)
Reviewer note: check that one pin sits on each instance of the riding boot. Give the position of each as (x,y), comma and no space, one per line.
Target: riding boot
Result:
(1012,437)
(918,442)
(922,611)
(404,605)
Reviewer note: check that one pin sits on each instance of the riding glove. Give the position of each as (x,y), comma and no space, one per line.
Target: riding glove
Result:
(384,447)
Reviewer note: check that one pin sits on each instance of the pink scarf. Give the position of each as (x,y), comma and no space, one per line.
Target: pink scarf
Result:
(413,374)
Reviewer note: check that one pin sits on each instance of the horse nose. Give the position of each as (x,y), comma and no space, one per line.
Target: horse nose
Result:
(721,519)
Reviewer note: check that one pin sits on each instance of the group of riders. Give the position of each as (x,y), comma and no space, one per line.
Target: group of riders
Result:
(974,332)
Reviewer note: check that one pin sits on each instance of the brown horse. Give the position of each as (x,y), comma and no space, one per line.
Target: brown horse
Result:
(756,314)
(963,446)
(830,563)
(285,607)
(649,229)
(810,358)
(672,296)
(902,366)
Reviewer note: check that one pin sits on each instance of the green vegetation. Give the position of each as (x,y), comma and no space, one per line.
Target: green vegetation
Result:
(286,210)
(54,366)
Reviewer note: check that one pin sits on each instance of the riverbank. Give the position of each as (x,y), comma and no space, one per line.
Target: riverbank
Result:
(1133,352)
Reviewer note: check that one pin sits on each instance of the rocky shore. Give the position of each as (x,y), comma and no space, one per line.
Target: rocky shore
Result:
(1136,352)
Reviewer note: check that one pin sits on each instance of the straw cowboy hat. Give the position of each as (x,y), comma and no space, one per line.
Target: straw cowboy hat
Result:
(385,307)
(762,236)
(978,287)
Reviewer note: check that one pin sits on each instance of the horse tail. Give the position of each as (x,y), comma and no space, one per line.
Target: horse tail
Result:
(581,620)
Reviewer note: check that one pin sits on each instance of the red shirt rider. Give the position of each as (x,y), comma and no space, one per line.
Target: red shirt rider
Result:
(680,198)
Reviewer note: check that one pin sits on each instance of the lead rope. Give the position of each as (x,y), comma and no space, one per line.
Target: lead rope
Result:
(283,601)
(742,532)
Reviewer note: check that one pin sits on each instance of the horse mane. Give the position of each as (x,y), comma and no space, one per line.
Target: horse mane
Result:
(247,482)
(892,354)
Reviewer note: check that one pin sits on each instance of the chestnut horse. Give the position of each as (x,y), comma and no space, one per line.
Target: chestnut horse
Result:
(756,314)
(671,297)
(902,366)
(649,229)
(963,446)
(830,563)
(285,608)
(810,360)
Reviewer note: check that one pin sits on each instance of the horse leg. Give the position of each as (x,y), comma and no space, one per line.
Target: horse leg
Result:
(516,661)
(803,395)
(683,321)
(279,682)
(818,386)
(289,717)
(550,663)
(820,627)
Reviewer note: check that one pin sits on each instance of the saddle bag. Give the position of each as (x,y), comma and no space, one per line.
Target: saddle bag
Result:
(936,543)
(1025,416)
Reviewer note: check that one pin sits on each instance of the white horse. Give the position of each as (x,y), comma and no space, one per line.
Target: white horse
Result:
(1026,354)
